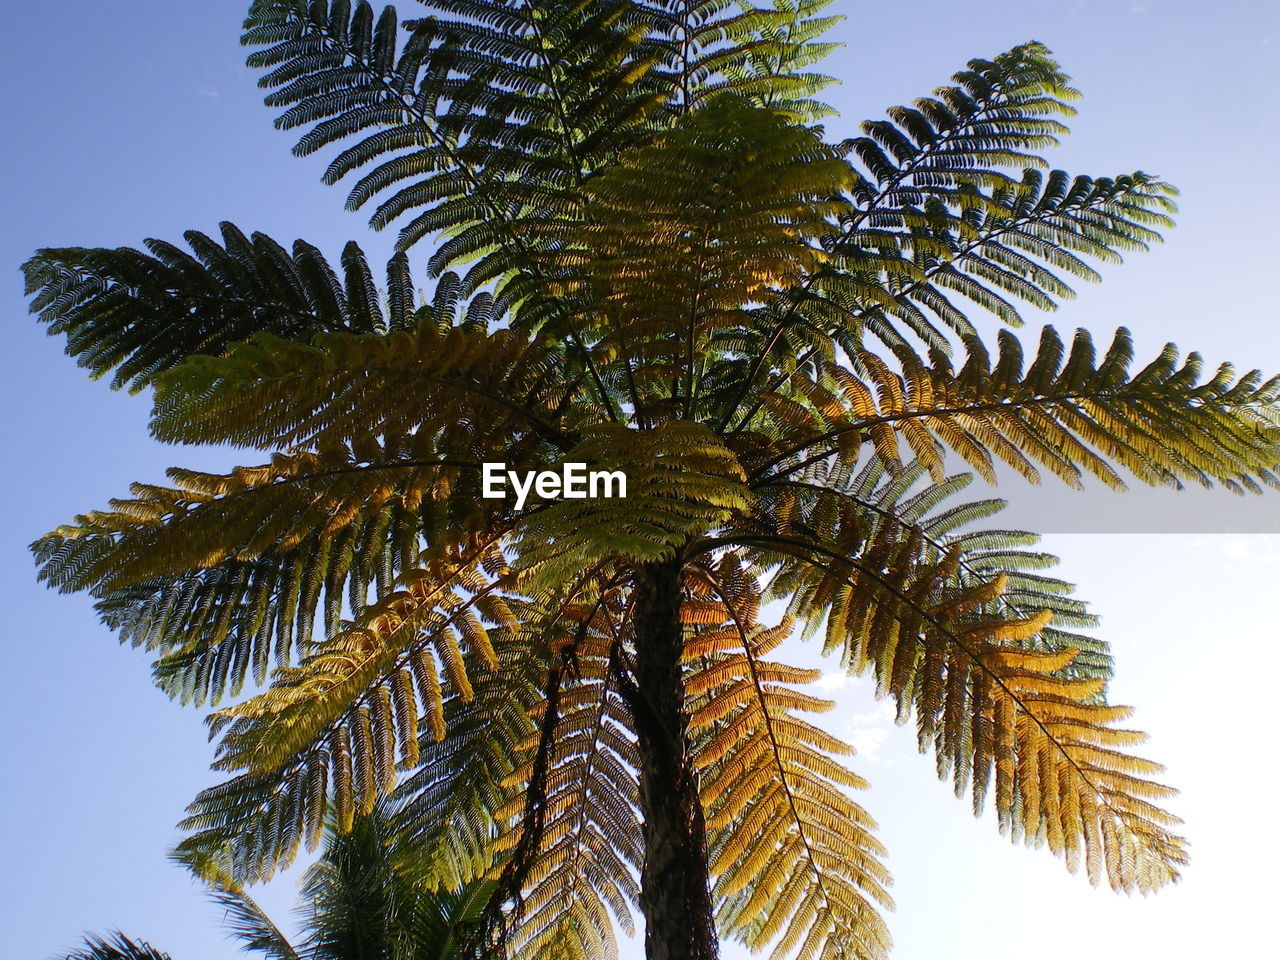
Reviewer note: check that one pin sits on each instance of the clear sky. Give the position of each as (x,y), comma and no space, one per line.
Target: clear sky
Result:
(135,118)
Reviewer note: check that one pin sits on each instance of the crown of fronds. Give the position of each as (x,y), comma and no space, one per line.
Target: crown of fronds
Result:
(666,272)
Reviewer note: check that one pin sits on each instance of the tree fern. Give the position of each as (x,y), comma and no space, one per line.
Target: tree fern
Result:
(668,273)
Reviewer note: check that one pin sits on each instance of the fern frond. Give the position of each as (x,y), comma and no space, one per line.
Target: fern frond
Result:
(583,878)
(1068,411)
(342,723)
(448,807)
(950,211)
(472,120)
(997,114)
(986,699)
(993,249)
(352,675)
(224,573)
(679,235)
(773,71)
(362,901)
(115,946)
(437,386)
(141,314)
(877,513)
(484,117)
(794,859)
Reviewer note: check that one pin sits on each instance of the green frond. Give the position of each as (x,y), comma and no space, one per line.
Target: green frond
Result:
(115,946)
(449,805)
(1068,411)
(141,314)
(433,388)
(465,117)
(950,211)
(362,902)
(997,114)
(582,879)
(679,480)
(991,248)
(472,122)
(876,514)
(224,574)
(246,922)
(731,191)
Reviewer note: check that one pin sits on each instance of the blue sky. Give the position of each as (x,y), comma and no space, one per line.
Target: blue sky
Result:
(136,118)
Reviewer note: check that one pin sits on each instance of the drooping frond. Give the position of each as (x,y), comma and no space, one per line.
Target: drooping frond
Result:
(247,922)
(794,860)
(141,314)
(390,662)
(877,514)
(447,809)
(988,693)
(223,574)
(343,723)
(581,873)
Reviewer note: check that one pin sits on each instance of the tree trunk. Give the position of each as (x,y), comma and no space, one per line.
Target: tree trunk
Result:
(674,887)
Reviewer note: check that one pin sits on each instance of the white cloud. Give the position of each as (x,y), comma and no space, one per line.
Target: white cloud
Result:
(834,680)
(868,731)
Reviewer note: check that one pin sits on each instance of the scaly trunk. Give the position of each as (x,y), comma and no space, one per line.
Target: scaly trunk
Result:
(674,888)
